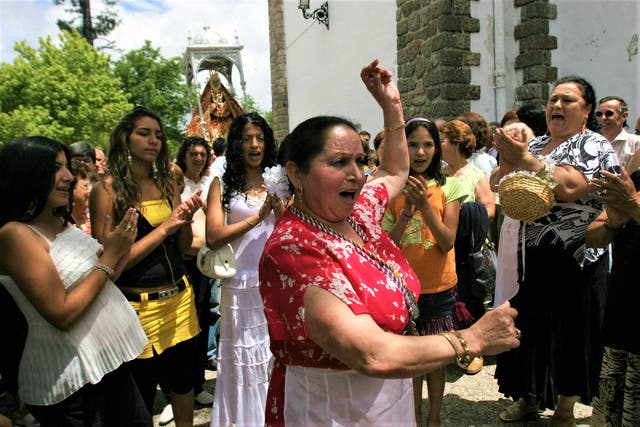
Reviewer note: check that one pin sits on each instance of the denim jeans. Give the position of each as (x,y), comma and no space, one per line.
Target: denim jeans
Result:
(214,316)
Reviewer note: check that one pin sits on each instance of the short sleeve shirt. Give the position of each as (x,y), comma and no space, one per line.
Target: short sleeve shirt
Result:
(435,269)
(298,255)
(566,222)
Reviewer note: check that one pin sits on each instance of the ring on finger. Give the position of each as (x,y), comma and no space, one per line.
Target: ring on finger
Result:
(518,333)
(128,227)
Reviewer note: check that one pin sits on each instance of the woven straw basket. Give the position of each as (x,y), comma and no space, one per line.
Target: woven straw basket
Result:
(525,197)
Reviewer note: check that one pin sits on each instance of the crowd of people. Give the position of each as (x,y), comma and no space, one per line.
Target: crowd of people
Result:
(351,290)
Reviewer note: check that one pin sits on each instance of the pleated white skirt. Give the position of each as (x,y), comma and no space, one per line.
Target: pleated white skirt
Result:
(244,358)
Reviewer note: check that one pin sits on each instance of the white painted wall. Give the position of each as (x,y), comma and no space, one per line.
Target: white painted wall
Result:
(595,38)
(496,75)
(323,67)
(598,40)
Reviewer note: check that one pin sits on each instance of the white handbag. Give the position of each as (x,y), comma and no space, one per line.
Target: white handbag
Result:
(218,264)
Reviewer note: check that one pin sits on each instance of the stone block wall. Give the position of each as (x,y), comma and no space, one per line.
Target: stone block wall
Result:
(278,53)
(534,58)
(435,58)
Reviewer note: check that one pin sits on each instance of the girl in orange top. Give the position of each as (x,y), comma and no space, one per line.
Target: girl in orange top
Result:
(423,222)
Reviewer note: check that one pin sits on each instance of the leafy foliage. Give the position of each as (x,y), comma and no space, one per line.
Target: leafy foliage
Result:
(67,92)
(157,83)
(91,29)
(73,92)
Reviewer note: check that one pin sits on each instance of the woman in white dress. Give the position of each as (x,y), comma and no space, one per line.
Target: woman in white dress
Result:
(241,212)
(81,330)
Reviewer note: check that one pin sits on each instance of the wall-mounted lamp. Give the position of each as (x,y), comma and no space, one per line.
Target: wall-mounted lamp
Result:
(321,14)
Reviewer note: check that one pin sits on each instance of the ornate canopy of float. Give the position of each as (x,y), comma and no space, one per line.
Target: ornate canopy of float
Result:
(216,107)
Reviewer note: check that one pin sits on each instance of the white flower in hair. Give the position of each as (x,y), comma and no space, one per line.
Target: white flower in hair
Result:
(276,182)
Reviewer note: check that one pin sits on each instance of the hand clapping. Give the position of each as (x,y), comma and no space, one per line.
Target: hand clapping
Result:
(118,240)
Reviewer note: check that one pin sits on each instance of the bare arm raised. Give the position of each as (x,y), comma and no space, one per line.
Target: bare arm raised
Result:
(394,167)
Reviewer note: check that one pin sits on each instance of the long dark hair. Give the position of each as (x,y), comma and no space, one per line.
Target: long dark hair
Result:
(125,188)
(235,177)
(27,177)
(589,95)
(434,170)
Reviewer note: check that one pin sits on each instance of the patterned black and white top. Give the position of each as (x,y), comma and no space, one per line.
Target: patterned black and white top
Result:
(566,222)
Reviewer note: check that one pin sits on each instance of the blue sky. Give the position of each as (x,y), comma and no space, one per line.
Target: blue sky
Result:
(166,23)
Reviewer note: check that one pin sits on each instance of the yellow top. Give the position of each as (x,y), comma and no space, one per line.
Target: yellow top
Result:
(155,211)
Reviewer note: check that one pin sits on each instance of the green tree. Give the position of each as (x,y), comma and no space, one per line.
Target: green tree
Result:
(156,82)
(67,92)
(91,29)
(249,104)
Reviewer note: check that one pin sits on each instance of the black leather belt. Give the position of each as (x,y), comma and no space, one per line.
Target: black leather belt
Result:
(180,286)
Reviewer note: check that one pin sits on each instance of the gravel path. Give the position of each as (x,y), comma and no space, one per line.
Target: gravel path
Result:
(468,401)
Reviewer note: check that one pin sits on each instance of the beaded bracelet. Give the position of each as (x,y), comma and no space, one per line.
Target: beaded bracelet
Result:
(397,127)
(105,269)
(464,358)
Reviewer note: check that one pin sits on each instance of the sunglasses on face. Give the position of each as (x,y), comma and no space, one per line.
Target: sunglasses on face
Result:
(607,113)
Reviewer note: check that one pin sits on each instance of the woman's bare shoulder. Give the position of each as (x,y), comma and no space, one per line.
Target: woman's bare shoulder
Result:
(17,237)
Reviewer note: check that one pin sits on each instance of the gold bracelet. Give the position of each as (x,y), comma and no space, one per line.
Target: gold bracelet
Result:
(105,269)
(448,337)
(250,225)
(397,127)
(464,358)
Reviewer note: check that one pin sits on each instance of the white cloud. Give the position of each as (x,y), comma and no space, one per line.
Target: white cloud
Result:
(166,23)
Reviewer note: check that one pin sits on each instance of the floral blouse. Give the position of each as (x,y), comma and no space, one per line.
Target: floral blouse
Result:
(298,255)
(567,222)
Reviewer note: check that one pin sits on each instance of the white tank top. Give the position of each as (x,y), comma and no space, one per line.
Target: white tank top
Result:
(55,364)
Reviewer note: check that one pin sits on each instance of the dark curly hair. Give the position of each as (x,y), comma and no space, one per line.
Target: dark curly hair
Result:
(235,177)
(187,143)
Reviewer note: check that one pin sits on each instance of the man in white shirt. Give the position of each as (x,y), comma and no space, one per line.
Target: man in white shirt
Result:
(220,163)
(612,117)
(193,157)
